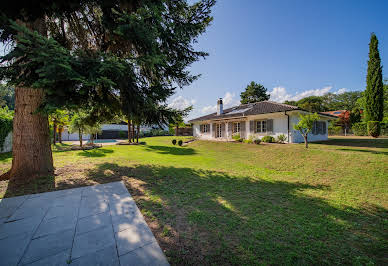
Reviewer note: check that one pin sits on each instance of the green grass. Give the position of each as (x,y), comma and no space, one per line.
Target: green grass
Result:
(235,203)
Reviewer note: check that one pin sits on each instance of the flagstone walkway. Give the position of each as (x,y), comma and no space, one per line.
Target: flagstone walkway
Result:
(96,225)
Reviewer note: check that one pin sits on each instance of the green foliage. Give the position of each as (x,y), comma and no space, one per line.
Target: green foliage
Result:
(254,92)
(248,141)
(281,138)
(123,134)
(173,141)
(374,93)
(236,136)
(360,129)
(374,128)
(306,123)
(256,141)
(180,142)
(268,139)
(6,119)
(7,96)
(95,64)
(312,104)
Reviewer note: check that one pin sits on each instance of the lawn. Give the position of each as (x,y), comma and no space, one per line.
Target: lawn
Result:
(235,203)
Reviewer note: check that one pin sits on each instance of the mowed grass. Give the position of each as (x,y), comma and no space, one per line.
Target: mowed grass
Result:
(235,203)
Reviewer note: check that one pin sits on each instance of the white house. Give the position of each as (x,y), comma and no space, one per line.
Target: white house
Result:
(258,119)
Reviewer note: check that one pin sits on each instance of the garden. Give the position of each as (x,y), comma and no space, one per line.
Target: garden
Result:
(237,203)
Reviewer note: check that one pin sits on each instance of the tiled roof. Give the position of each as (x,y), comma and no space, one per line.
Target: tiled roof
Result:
(263,107)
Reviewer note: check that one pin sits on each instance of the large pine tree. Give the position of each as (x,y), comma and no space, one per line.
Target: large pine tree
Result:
(254,92)
(374,93)
(99,55)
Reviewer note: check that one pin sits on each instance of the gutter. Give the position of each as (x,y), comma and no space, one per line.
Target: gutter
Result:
(288,126)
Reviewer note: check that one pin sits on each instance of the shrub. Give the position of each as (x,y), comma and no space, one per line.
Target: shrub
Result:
(335,130)
(173,141)
(360,129)
(240,140)
(249,141)
(180,142)
(268,139)
(257,141)
(123,134)
(236,136)
(281,138)
(374,128)
(6,118)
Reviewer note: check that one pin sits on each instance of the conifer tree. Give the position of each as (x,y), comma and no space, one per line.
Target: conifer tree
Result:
(374,93)
(101,56)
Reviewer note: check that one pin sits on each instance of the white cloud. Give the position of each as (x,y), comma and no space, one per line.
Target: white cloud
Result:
(280,94)
(228,100)
(181,103)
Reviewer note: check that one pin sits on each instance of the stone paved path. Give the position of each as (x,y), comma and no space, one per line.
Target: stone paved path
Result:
(96,225)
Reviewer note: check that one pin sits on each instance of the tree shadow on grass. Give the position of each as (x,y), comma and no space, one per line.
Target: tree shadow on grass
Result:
(208,217)
(100,152)
(171,150)
(367,151)
(357,142)
(4,156)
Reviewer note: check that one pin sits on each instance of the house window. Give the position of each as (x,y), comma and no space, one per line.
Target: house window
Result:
(218,131)
(319,128)
(236,127)
(205,128)
(261,126)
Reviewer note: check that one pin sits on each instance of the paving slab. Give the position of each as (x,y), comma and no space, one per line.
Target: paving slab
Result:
(96,225)
(150,254)
(105,257)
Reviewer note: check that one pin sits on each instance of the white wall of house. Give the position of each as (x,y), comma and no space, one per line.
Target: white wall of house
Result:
(67,136)
(280,126)
(7,145)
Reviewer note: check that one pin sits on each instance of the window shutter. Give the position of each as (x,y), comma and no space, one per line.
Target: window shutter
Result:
(324,127)
(314,130)
(201,128)
(214,130)
(270,125)
(252,125)
(242,129)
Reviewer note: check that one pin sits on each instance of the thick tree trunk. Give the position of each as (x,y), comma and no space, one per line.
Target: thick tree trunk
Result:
(55,133)
(133,132)
(80,137)
(31,147)
(31,155)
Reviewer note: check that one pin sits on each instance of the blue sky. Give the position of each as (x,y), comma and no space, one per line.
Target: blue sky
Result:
(294,48)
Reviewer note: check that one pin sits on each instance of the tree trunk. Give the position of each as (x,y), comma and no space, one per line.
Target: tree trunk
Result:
(80,137)
(129,131)
(137,133)
(92,139)
(176,130)
(306,142)
(31,156)
(133,132)
(31,147)
(60,134)
(55,132)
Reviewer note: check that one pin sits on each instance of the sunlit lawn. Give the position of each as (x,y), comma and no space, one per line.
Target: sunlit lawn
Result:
(235,203)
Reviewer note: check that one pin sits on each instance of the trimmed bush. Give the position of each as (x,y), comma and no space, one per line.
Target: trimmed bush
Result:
(281,138)
(257,141)
(248,141)
(360,129)
(374,128)
(268,139)
(240,140)
(173,141)
(236,136)
(180,142)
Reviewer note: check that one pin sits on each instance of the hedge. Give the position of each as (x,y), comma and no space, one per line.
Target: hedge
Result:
(360,129)
(374,128)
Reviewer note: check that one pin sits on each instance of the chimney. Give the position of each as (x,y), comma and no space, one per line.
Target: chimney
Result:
(220,107)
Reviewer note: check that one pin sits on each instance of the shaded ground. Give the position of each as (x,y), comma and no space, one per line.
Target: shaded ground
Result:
(234,203)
